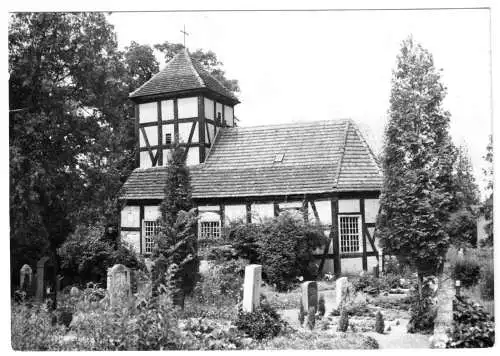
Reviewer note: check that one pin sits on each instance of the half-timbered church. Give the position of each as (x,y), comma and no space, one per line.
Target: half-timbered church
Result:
(325,169)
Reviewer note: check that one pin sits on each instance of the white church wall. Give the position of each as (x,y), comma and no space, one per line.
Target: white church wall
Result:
(260,212)
(195,134)
(151,134)
(168,129)
(234,213)
(130,216)
(167,154)
(145,160)
(187,107)
(209,108)
(208,208)
(193,156)
(132,239)
(290,205)
(228,115)
(167,109)
(348,205)
(148,112)
(184,130)
(323,207)
(371,210)
(152,212)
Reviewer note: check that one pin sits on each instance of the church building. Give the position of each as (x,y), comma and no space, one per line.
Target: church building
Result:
(324,169)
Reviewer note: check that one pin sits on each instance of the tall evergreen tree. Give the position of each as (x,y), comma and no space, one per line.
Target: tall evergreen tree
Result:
(417,197)
(487,207)
(177,238)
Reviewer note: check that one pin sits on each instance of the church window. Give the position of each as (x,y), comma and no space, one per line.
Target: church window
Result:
(279,157)
(168,138)
(209,230)
(151,228)
(349,233)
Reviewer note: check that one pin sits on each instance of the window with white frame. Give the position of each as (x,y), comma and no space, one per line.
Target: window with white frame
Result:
(349,233)
(209,227)
(151,228)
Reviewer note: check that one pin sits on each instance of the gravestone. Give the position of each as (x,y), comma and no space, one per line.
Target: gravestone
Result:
(144,285)
(44,271)
(310,295)
(74,292)
(149,264)
(119,285)
(26,278)
(341,291)
(251,287)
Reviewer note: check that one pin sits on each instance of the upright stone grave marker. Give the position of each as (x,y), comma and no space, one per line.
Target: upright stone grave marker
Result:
(251,287)
(310,295)
(341,291)
(119,287)
(26,278)
(42,276)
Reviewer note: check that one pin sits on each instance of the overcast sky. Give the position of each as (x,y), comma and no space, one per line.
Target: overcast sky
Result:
(305,66)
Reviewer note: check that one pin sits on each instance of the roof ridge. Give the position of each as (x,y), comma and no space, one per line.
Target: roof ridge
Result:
(155,75)
(339,168)
(288,124)
(200,79)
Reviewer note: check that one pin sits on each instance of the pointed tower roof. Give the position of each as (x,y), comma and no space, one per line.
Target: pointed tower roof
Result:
(182,73)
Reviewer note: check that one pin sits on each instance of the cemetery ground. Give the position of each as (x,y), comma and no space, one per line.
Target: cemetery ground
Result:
(128,317)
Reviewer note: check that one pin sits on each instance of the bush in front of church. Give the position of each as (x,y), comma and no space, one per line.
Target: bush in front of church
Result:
(285,249)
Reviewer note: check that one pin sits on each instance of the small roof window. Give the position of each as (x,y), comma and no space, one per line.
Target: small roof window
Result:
(279,157)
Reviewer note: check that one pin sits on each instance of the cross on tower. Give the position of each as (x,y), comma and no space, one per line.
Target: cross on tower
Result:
(185,34)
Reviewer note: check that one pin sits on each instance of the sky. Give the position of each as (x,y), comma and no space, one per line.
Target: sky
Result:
(317,65)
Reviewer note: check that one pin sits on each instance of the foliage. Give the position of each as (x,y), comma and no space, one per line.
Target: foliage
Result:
(321,305)
(264,322)
(343,321)
(467,270)
(423,310)
(487,208)
(462,228)
(319,340)
(473,327)
(311,318)
(244,239)
(379,323)
(86,257)
(217,292)
(71,137)
(417,195)
(285,249)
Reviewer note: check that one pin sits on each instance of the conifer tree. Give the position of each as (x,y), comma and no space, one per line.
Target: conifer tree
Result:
(177,238)
(418,158)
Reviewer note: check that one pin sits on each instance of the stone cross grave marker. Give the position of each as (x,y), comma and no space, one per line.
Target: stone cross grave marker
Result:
(340,291)
(251,287)
(26,278)
(310,295)
(119,285)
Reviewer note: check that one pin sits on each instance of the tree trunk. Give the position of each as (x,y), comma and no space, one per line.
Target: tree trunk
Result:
(420,284)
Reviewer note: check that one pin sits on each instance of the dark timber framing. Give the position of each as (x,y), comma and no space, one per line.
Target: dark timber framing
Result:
(363,233)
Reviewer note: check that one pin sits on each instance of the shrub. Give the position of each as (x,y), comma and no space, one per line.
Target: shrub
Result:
(467,271)
(243,238)
(423,311)
(264,322)
(302,314)
(343,321)
(311,318)
(473,327)
(321,305)
(285,249)
(203,334)
(86,256)
(379,323)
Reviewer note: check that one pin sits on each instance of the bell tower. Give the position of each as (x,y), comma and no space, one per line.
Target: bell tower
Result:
(182,104)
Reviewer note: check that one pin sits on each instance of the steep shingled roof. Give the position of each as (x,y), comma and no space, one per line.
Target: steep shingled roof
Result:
(180,74)
(319,157)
